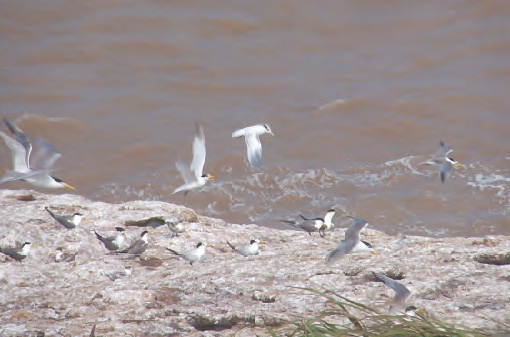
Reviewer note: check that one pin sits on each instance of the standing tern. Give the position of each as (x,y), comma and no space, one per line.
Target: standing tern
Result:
(351,242)
(17,253)
(192,255)
(308,225)
(247,250)
(401,293)
(322,224)
(193,174)
(114,242)
(442,161)
(44,160)
(139,246)
(252,138)
(68,221)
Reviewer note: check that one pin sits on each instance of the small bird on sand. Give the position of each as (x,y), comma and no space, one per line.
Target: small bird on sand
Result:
(192,255)
(114,242)
(252,138)
(247,250)
(17,253)
(139,246)
(68,221)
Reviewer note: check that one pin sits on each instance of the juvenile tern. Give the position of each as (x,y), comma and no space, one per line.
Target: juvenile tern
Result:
(114,242)
(44,160)
(442,161)
(192,255)
(401,291)
(247,250)
(252,138)
(351,242)
(61,256)
(139,246)
(17,253)
(193,174)
(68,221)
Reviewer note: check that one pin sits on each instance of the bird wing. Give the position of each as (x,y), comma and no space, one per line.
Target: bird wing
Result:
(444,168)
(239,133)
(19,160)
(198,162)
(343,248)
(46,155)
(21,138)
(401,291)
(185,172)
(352,233)
(444,150)
(253,149)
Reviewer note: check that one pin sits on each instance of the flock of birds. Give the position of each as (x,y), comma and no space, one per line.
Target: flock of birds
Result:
(37,172)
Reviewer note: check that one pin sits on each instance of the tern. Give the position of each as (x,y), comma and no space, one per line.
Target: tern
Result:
(401,293)
(442,161)
(61,256)
(114,242)
(193,174)
(192,255)
(308,225)
(68,221)
(17,253)
(117,274)
(247,250)
(252,137)
(139,246)
(44,160)
(351,242)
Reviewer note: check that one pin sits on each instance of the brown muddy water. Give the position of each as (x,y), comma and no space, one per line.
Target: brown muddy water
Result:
(358,93)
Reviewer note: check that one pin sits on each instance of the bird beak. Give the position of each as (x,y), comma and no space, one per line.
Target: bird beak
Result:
(271,133)
(262,242)
(69,186)
(421,312)
(211,178)
(209,245)
(459,164)
(373,253)
(324,227)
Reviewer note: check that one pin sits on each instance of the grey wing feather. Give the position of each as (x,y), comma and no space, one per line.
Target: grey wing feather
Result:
(444,150)
(185,172)
(401,291)
(21,138)
(197,165)
(352,233)
(343,248)
(46,155)
(444,168)
(19,160)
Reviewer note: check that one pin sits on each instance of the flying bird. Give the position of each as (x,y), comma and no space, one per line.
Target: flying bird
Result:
(44,160)
(193,174)
(351,242)
(68,221)
(114,242)
(401,292)
(252,137)
(247,250)
(192,255)
(442,161)
(17,253)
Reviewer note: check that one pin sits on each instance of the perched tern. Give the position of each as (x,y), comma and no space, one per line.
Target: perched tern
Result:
(442,161)
(114,242)
(247,250)
(44,160)
(68,221)
(192,255)
(325,223)
(351,242)
(401,292)
(193,174)
(61,256)
(252,137)
(17,253)
(139,246)
(308,225)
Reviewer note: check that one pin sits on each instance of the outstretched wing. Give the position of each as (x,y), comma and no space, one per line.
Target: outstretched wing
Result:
(46,155)
(401,292)
(19,161)
(343,248)
(253,149)
(198,162)
(185,172)
(21,138)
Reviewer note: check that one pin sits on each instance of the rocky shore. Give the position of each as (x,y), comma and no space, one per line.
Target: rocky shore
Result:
(460,280)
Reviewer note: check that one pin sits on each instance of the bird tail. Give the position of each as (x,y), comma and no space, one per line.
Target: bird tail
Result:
(173,251)
(231,246)
(292,222)
(302,217)
(98,235)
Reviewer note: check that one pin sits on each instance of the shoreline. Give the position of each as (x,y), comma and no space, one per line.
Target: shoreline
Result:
(225,291)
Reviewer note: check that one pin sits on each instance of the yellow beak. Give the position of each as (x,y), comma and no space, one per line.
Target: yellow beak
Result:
(211,178)
(69,186)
